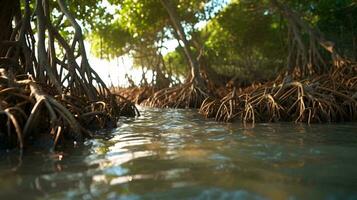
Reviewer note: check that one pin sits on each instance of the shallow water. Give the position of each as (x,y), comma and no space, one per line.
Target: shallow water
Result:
(176,154)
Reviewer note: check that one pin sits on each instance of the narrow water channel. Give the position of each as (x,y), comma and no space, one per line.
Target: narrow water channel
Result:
(176,154)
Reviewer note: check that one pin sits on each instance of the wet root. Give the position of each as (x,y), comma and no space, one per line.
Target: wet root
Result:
(187,95)
(30,113)
(326,98)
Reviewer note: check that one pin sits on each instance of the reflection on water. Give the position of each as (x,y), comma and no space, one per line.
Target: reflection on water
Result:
(175,154)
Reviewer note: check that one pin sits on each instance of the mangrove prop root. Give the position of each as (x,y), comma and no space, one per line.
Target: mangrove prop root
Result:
(325,98)
(187,95)
(27,112)
(46,83)
(135,94)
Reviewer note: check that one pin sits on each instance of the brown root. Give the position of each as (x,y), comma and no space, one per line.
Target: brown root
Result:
(47,87)
(326,98)
(187,95)
(29,113)
(135,94)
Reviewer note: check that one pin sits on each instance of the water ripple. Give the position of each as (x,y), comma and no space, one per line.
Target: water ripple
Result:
(166,154)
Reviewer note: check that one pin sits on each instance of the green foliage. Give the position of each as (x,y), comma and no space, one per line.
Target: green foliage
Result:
(113,35)
(92,14)
(136,28)
(244,40)
(247,39)
(176,63)
(337,20)
(142,25)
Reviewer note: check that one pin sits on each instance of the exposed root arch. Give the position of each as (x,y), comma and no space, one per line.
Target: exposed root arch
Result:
(12,122)
(56,111)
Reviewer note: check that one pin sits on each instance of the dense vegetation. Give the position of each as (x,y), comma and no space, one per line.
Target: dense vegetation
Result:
(246,40)
(304,53)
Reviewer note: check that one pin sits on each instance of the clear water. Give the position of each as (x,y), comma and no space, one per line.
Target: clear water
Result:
(176,154)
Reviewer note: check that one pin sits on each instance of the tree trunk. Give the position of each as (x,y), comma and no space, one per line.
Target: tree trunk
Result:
(194,65)
(43,61)
(7,12)
(306,56)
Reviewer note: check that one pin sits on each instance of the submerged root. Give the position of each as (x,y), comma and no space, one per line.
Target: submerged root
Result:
(326,98)
(187,95)
(213,108)
(28,113)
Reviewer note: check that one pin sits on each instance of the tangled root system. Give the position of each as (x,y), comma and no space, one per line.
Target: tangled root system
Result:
(325,98)
(27,112)
(47,87)
(135,94)
(187,95)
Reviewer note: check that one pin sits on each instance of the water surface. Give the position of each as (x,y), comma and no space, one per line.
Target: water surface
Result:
(176,154)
